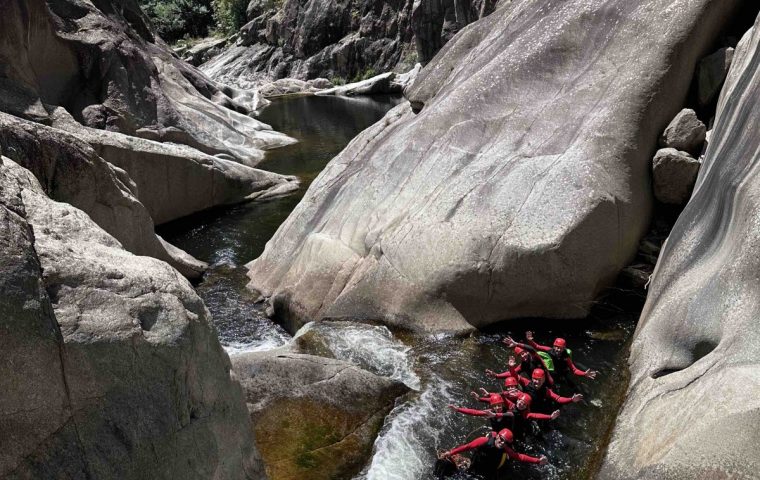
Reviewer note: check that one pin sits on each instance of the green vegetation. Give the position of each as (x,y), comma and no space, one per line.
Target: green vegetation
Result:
(368,72)
(229,15)
(177,19)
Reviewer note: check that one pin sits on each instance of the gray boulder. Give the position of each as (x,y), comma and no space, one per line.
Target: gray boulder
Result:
(693,404)
(673,174)
(102,63)
(382,83)
(313,417)
(134,385)
(685,132)
(711,73)
(72,172)
(520,189)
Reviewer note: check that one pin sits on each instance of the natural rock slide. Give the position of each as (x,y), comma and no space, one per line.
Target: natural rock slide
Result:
(692,406)
(519,188)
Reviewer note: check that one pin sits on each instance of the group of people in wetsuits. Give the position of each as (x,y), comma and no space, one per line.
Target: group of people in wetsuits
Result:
(528,395)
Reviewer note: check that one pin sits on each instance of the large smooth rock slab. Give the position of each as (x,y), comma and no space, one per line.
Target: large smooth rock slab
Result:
(139,387)
(693,404)
(313,417)
(673,174)
(520,189)
(101,61)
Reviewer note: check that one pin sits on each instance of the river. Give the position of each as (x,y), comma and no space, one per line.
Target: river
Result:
(439,369)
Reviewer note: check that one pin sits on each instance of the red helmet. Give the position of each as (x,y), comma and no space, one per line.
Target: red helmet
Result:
(560,342)
(495,399)
(525,398)
(510,382)
(519,350)
(506,434)
(538,373)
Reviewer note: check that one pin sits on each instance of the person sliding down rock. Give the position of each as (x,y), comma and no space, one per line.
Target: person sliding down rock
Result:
(522,414)
(491,453)
(511,389)
(529,361)
(557,357)
(540,393)
(496,402)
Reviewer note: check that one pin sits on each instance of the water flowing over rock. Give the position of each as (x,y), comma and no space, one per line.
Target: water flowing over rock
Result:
(332,39)
(521,188)
(313,417)
(134,384)
(692,407)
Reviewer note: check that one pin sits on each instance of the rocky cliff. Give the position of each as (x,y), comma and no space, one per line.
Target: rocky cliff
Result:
(516,181)
(692,405)
(110,368)
(347,40)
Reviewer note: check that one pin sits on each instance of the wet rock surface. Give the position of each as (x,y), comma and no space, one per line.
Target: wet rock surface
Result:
(695,352)
(484,206)
(313,417)
(134,384)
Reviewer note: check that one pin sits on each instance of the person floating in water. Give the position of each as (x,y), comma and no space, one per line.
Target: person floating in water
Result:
(491,452)
(529,361)
(522,414)
(540,392)
(511,389)
(559,359)
(497,405)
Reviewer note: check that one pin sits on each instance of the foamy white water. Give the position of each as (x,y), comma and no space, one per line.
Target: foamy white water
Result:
(404,447)
(372,347)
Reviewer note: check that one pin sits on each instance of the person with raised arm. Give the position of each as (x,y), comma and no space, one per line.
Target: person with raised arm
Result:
(497,404)
(523,415)
(491,452)
(559,355)
(540,392)
(529,361)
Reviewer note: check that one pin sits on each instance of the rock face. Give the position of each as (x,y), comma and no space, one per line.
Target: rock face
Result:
(313,416)
(673,174)
(520,189)
(686,132)
(134,384)
(711,72)
(102,63)
(72,172)
(339,39)
(696,351)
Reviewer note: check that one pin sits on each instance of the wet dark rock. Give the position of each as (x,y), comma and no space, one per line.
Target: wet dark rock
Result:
(692,407)
(711,73)
(686,132)
(313,417)
(674,173)
(110,368)
(499,198)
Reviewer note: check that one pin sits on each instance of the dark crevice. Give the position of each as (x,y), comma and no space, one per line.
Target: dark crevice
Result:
(700,350)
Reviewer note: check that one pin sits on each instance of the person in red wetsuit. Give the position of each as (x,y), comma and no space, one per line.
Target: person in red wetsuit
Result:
(497,405)
(559,355)
(491,452)
(529,361)
(541,393)
(522,414)
(511,389)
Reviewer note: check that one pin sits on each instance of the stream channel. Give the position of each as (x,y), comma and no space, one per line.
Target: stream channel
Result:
(440,369)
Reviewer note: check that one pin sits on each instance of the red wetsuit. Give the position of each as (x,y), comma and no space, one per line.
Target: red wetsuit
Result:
(487,442)
(560,361)
(527,367)
(536,393)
